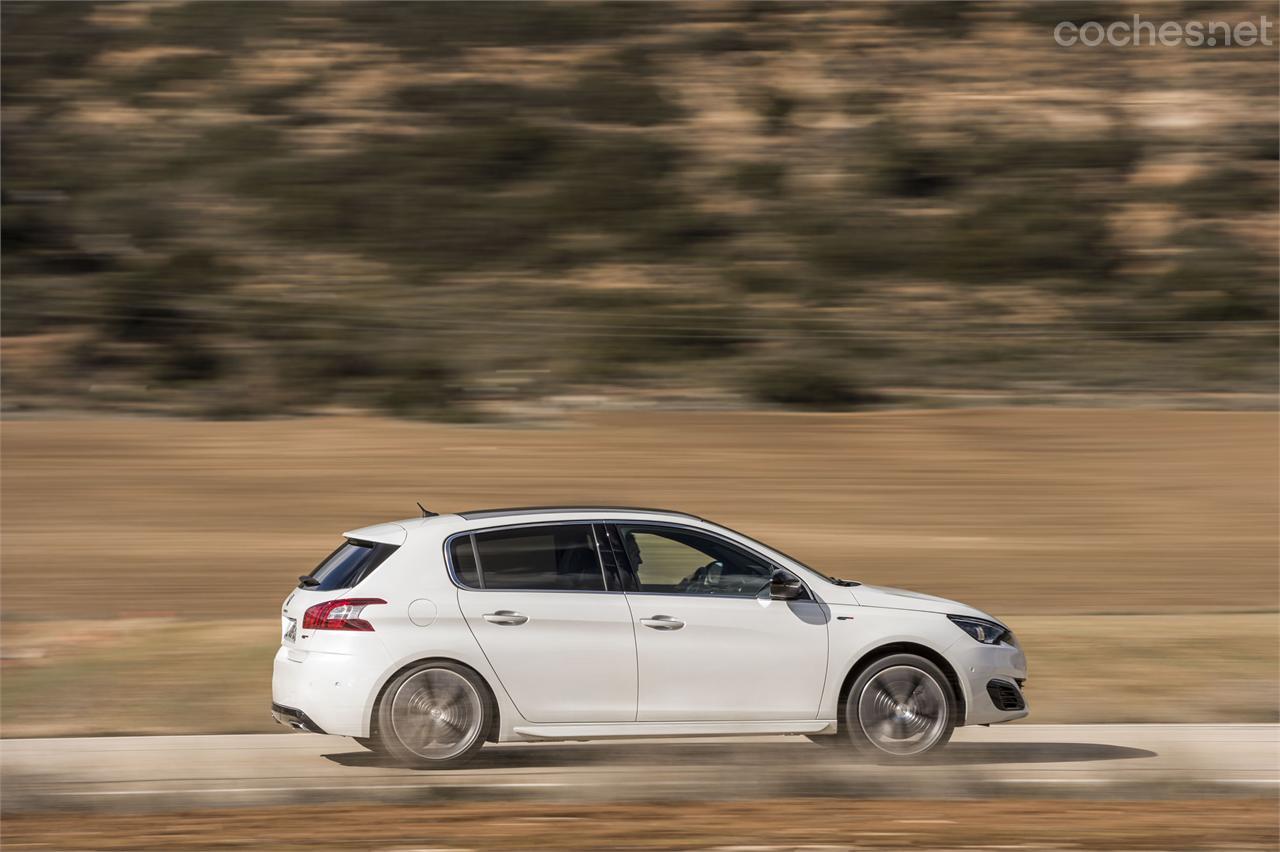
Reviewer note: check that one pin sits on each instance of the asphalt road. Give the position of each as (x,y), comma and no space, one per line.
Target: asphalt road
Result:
(206,771)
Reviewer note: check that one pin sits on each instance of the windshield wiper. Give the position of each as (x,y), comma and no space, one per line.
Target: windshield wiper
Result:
(306,581)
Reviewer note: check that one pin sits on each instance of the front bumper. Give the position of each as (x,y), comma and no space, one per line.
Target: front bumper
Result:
(979,666)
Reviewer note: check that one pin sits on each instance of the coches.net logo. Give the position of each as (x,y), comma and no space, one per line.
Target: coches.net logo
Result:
(1140,33)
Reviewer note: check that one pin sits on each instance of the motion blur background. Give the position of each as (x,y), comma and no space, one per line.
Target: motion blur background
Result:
(907,289)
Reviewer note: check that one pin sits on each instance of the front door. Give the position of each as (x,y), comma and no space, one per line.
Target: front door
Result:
(560,641)
(710,644)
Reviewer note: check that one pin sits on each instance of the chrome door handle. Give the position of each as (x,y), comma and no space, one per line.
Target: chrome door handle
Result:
(662,622)
(505,616)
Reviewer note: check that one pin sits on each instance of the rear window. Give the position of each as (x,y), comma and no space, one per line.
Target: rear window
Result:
(348,565)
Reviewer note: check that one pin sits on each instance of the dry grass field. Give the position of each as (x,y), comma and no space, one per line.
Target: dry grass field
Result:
(144,560)
(1016,511)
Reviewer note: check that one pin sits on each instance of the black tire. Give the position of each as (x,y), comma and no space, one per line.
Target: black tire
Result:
(435,715)
(901,694)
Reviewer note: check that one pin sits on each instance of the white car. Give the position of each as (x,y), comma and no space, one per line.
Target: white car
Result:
(426,638)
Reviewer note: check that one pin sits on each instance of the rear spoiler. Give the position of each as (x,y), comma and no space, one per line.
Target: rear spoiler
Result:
(380,533)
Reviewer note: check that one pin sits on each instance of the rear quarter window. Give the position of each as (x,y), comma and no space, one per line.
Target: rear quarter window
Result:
(348,565)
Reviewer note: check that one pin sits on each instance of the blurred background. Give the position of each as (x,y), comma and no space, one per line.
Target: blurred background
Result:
(906,289)
(462,211)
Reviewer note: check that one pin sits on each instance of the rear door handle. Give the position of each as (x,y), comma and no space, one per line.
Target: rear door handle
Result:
(662,622)
(505,616)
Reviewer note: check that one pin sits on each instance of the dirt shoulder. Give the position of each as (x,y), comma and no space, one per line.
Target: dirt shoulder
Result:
(776,824)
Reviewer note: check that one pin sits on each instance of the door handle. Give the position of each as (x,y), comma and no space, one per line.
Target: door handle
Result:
(662,622)
(505,616)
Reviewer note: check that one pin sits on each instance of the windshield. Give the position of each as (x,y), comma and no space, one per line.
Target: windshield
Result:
(760,544)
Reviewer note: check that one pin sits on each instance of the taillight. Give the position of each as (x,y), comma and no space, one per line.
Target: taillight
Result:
(342,614)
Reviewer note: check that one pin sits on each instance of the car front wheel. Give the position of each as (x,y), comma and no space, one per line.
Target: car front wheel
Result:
(434,716)
(900,707)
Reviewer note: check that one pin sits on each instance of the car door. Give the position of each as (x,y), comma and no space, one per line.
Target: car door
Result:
(710,644)
(560,641)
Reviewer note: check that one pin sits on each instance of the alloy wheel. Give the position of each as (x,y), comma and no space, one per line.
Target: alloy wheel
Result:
(903,710)
(436,714)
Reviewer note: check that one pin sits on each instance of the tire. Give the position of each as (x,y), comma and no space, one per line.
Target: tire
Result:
(434,716)
(900,708)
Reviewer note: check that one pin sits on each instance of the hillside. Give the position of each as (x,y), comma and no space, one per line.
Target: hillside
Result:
(466,210)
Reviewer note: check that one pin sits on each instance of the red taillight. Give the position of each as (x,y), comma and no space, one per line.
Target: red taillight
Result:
(342,614)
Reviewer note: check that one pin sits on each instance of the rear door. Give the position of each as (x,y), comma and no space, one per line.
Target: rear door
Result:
(558,636)
(710,644)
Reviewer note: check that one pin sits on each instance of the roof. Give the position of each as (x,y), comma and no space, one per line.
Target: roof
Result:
(480,514)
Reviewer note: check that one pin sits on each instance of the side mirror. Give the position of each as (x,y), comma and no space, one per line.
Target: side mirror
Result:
(785,586)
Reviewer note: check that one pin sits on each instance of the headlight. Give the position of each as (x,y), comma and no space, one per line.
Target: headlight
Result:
(986,632)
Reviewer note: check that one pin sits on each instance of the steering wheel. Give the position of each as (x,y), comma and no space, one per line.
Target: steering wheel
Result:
(697,578)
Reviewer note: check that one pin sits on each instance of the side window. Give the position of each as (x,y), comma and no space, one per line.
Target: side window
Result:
(675,561)
(555,557)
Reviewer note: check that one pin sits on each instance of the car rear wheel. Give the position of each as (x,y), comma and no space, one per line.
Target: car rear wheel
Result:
(434,716)
(900,707)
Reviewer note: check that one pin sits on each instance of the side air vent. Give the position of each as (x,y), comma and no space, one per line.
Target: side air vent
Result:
(1005,696)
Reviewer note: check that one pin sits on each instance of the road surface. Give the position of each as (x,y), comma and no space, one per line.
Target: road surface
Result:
(260,769)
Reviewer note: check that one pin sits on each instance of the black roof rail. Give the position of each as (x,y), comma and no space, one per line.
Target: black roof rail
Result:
(477,514)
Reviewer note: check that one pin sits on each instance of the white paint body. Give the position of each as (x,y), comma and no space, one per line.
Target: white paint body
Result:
(584,665)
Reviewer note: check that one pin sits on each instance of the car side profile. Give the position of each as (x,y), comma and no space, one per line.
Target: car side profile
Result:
(426,638)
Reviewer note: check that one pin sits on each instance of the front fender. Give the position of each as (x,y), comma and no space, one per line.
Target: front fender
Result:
(858,632)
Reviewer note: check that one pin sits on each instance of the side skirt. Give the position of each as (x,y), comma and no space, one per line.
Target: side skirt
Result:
(622,730)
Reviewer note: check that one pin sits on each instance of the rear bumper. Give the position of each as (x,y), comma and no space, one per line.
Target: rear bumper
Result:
(291,717)
(324,692)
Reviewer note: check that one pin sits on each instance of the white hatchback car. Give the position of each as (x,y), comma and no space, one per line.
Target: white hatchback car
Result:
(428,637)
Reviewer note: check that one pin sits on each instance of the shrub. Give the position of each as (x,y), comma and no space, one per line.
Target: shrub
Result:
(1026,232)
(619,97)
(945,17)
(809,383)
(775,108)
(431,389)
(1228,190)
(766,180)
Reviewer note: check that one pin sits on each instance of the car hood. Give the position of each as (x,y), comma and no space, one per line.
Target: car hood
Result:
(886,597)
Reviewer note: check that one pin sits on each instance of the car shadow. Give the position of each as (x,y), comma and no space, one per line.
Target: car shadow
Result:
(752,754)
(984,753)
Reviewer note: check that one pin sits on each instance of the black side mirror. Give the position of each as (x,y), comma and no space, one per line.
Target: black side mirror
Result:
(785,586)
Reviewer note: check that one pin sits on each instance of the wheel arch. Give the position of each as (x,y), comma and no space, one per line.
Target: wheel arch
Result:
(495,726)
(882,651)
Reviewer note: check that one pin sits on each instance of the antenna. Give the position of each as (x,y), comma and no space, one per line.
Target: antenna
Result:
(427,513)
